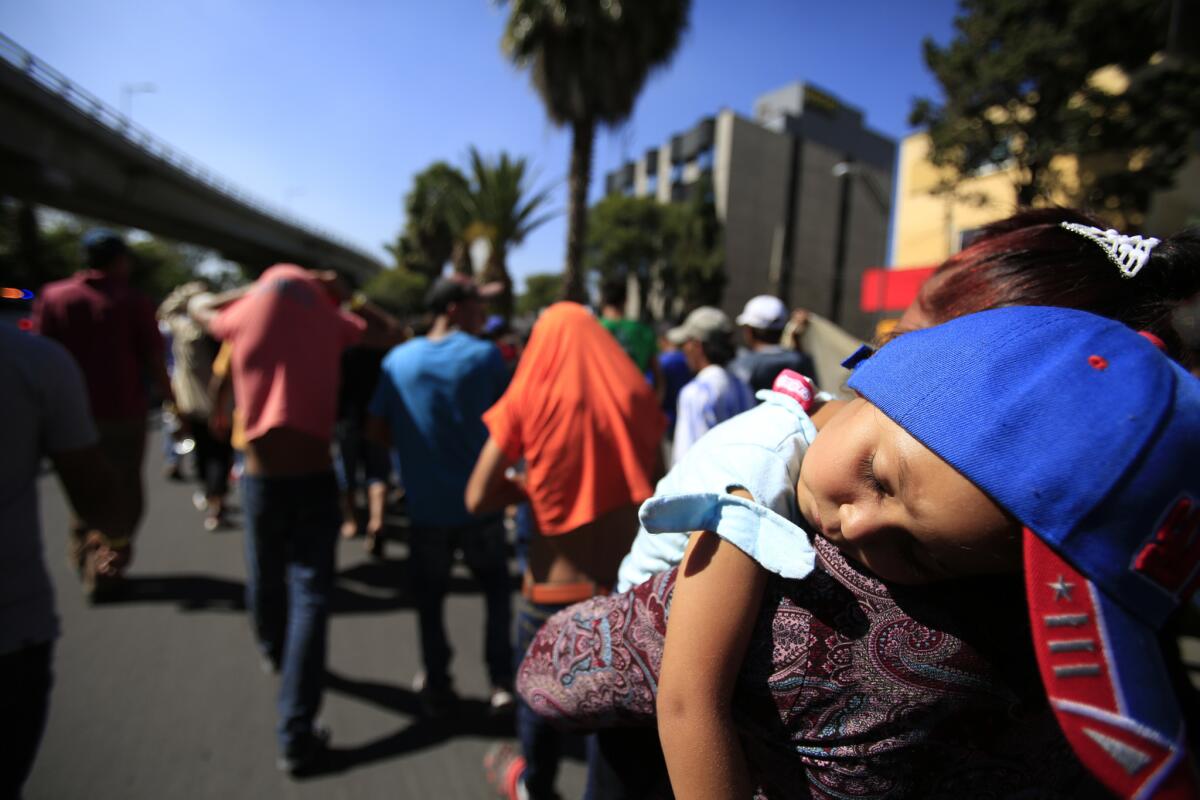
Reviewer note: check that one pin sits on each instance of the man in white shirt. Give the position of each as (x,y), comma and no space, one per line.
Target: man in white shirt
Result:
(714,394)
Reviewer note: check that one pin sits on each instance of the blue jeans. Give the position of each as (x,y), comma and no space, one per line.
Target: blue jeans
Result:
(430,556)
(291,531)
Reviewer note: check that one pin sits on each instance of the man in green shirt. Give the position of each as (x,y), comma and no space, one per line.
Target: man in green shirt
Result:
(636,338)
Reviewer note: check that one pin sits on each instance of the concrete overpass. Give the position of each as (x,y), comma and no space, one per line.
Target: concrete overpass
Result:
(60,146)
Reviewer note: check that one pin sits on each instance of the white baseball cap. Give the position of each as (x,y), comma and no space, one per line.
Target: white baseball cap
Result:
(765,311)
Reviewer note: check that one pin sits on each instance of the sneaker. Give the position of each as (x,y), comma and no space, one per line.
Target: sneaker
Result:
(501,700)
(505,767)
(308,754)
(200,501)
(436,701)
(269,664)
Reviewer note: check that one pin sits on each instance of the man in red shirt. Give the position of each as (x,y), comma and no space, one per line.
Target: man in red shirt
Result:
(109,328)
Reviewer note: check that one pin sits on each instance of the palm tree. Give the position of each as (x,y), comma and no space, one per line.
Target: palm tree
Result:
(501,209)
(588,60)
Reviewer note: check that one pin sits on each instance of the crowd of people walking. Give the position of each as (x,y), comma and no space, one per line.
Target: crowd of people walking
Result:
(960,572)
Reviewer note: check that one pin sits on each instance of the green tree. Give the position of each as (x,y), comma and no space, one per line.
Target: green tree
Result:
(588,60)
(693,267)
(160,265)
(540,291)
(501,209)
(625,237)
(434,221)
(399,290)
(1018,89)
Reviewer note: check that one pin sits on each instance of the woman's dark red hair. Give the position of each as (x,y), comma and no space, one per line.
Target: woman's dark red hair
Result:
(1029,259)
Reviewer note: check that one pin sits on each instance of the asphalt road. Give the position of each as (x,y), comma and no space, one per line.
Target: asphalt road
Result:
(159,695)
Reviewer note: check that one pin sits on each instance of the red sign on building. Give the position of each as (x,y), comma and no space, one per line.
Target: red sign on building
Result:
(886,290)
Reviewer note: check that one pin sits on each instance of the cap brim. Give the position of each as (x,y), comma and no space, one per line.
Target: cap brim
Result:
(742,319)
(1107,681)
(678,336)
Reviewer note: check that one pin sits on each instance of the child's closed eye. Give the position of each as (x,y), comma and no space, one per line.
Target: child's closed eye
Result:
(866,473)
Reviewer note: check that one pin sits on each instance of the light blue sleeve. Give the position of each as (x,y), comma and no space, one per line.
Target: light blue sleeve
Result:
(759,451)
(776,543)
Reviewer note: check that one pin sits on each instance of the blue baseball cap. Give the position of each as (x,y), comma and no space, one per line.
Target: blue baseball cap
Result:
(1088,435)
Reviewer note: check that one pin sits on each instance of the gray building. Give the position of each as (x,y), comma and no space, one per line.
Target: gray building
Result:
(803,191)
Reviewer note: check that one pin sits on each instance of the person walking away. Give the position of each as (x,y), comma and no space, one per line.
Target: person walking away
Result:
(287,335)
(762,321)
(110,330)
(588,429)
(45,405)
(428,405)
(360,374)
(194,352)
(714,394)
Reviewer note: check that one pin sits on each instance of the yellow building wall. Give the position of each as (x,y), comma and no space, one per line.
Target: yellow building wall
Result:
(928,226)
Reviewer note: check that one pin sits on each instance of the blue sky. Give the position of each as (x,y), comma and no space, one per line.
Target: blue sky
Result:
(328,109)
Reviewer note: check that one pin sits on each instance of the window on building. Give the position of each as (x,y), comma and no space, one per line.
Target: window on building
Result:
(705,160)
(967,237)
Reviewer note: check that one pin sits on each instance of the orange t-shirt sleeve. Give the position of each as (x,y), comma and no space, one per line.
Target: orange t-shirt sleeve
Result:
(505,428)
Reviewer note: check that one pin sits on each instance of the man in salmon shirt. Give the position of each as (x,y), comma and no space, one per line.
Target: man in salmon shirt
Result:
(288,333)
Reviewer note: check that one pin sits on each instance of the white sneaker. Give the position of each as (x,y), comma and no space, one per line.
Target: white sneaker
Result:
(501,700)
(200,501)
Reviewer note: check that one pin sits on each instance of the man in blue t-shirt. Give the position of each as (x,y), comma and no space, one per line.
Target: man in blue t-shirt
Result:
(428,405)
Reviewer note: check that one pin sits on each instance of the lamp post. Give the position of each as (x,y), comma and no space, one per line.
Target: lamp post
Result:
(128,90)
(845,170)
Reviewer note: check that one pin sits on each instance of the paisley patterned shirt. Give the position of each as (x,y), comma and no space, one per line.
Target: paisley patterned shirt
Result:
(849,689)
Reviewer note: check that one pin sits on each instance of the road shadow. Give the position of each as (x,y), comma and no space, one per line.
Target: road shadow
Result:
(189,592)
(393,574)
(471,717)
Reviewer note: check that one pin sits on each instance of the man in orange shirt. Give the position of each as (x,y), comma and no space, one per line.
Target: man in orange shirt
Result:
(589,428)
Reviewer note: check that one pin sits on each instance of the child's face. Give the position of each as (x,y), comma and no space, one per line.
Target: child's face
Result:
(891,504)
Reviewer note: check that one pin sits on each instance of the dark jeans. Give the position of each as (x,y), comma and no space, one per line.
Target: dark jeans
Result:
(626,764)
(430,556)
(291,531)
(25,680)
(541,744)
(213,457)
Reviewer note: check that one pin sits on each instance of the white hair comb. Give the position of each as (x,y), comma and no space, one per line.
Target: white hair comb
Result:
(1129,253)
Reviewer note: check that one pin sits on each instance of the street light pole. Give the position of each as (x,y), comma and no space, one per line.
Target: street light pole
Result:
(128,90)
(843,171)
(846,170)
